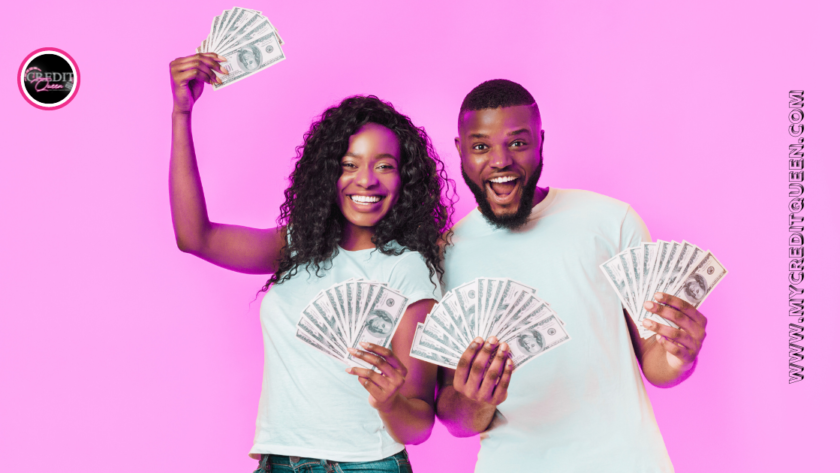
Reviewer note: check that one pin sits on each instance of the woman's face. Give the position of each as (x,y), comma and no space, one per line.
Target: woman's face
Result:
(370,180)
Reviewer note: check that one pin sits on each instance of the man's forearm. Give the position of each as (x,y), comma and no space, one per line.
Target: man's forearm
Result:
(461,416)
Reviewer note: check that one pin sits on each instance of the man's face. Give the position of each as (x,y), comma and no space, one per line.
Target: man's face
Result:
(501,158)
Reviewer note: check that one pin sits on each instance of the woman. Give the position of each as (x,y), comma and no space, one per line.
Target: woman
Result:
(364,202)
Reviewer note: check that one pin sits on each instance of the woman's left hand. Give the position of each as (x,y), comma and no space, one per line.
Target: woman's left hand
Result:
(383,387)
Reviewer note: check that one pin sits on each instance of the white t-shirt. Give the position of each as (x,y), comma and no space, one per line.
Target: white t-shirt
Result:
(309,406)
(581,407)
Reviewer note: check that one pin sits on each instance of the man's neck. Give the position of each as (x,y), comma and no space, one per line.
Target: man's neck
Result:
(540,193)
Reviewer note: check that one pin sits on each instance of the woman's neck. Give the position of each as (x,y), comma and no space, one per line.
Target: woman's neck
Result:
(355,238)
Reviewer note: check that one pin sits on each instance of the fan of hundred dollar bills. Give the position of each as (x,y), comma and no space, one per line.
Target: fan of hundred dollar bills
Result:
(348,314)
(247,40)
(678,269)
(486,307)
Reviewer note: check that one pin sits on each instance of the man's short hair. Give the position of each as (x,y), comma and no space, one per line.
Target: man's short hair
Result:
(494,94)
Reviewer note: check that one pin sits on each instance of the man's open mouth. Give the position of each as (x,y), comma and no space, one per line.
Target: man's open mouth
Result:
(502,189)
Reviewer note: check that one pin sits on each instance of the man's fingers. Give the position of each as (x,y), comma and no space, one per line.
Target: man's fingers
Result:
(212,63)
(682,306)
(462,371)
(493,374)
(679,351)
(679,318)
(671,333)
(480,364)
(500,393)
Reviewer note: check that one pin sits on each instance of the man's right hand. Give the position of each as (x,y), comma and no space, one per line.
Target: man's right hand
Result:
(188,75)
(483,372)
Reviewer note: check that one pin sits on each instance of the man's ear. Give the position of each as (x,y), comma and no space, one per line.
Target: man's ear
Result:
(542,142)
(458,145)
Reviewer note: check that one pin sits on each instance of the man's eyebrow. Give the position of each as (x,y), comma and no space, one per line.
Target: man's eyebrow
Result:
(479,135)
(520,131)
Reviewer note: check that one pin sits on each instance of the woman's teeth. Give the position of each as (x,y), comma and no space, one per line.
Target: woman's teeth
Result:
(366,199)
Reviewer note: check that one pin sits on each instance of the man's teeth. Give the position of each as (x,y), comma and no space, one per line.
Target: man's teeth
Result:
(366,199)
(499,180)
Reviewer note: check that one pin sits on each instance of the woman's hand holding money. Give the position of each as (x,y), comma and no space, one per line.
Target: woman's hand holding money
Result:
(679,345)
(188,75)
(383,387)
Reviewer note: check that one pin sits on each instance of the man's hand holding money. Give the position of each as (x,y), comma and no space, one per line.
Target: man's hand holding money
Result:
(480,382)
(669,357)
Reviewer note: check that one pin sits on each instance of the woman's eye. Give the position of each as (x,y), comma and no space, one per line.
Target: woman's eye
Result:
(348,165)
(386,166)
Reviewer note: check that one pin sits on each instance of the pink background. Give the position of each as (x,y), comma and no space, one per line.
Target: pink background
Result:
(119,352)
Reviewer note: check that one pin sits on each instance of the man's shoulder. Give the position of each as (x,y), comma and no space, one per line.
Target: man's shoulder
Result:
(581,199)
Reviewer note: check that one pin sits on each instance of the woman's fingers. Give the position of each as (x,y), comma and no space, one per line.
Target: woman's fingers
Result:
(388,355)
(378,362)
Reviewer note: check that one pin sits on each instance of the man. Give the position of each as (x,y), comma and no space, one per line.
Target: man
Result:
(582,406)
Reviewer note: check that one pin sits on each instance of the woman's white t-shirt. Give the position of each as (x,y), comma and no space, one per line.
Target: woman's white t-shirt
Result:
(309,406)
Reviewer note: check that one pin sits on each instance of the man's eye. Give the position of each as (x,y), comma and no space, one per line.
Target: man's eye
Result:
(480,147)
(517,143)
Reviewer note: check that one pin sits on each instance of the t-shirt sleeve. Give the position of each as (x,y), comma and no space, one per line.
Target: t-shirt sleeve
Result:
(633,230)
(410,276)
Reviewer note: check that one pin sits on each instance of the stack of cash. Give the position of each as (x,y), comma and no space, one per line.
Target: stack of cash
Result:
(486,307)
(348,314)
(679,269)
(247,40)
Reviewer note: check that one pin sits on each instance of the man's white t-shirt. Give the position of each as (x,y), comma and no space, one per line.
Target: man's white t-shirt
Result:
(309,406)
(581,407)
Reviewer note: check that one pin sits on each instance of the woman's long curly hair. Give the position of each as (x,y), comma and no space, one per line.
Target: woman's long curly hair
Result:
(417,221)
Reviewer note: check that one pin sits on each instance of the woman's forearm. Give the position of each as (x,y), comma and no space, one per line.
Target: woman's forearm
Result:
(409,421)
(186,196)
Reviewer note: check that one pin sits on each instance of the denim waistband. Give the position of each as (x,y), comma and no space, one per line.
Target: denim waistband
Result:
(302,461)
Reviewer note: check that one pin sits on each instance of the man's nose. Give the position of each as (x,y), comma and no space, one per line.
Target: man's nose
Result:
(500,157)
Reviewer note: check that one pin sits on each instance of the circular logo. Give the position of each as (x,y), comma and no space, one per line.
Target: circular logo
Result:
(551,331)
(389,302)
(48,78)
(710,270)
(268,49)
(471,294)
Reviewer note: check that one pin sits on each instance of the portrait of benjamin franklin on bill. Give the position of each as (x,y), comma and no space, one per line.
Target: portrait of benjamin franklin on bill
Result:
(694,288)
(379,323)
(531,341)
(249,58)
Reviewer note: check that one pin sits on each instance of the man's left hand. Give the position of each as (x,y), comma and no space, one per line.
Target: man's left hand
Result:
(681,344)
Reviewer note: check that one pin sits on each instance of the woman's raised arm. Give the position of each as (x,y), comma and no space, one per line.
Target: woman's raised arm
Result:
(242,249)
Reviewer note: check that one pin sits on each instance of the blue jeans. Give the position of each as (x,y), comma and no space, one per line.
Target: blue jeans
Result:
(282,464)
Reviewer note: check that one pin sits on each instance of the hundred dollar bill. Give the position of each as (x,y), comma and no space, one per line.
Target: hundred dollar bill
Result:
(424,353)
(220,28)
(615,276)
(451,308)
(680,252)
(636,271)
(668,255)
(336,306)
(535,312)
(648,251)
(381,320)
(261,28)
(239,18)
(512,293)
(301,335)
(536,339)
(441,317)
(490,298)
(467,301)
(314,333)
(437,333)
(692,256)
(624,257)
(249,59)
(323,307)
(701,280)
(313,318)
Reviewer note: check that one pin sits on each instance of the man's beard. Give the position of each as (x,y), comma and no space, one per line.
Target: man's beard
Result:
(526,202)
